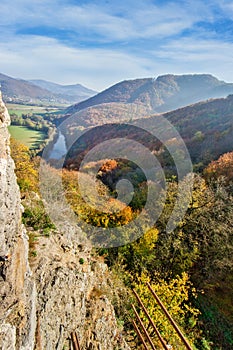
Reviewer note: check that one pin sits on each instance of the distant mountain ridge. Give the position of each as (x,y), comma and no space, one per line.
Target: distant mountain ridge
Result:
(23,91)
(72,92)
(165,93)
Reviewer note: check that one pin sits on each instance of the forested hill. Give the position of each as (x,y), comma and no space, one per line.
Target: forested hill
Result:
(167,92)
(16,90)
(41,92)
(72,93)
(206,128)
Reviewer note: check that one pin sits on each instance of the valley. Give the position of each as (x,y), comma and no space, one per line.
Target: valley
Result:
(19,109)
(116,175)
(30,138)
(190,266)
(41,93)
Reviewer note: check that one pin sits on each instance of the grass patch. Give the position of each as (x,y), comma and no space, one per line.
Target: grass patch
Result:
(30,138)
(18,109)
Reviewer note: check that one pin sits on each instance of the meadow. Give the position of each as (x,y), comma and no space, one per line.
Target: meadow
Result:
(19,109)
(30,138)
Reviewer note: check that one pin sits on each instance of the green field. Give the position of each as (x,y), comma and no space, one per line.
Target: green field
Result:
(18,109)
(30,138)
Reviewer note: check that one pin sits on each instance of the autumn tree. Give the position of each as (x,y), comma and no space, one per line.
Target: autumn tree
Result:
(25,167)
(221,167)
(107,213)
(175,295)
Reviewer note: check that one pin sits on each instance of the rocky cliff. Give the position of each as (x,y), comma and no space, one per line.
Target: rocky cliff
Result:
(17,288)
(72,296)
(63,290)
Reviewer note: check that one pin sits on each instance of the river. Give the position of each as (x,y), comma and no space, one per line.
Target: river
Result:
(59,149)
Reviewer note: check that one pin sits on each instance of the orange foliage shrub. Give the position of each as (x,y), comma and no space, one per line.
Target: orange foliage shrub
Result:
(221,167)
(109,165)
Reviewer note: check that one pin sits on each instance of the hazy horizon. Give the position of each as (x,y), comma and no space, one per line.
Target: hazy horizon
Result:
(86,86)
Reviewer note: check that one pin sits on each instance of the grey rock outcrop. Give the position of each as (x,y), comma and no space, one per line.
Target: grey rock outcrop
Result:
(17,288)
(73,296)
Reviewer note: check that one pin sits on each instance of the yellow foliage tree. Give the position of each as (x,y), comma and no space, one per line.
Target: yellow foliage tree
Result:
(175,295)
(25,167)
(112,213)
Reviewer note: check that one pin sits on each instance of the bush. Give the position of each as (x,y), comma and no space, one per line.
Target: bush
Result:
(36,217)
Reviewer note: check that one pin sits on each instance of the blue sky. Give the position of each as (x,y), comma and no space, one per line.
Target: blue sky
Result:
(98,43)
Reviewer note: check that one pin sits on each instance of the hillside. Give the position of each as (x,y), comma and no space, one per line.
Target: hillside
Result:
(25,92)
(184,267)
(201,245)
(206,128)
(107,113)
(73,93)
(167,92)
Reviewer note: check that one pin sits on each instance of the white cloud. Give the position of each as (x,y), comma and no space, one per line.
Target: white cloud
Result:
(136,39)
(144,21)
(38,57)
(227,7)
(204,56)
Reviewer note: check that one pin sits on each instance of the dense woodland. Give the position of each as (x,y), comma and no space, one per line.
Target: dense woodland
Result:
(190,268)
(205,127)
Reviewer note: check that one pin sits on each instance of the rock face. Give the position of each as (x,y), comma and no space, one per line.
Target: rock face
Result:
(17,288)
(64,290)
(73,295)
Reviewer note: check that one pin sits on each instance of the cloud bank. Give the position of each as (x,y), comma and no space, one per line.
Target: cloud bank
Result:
(100,43)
